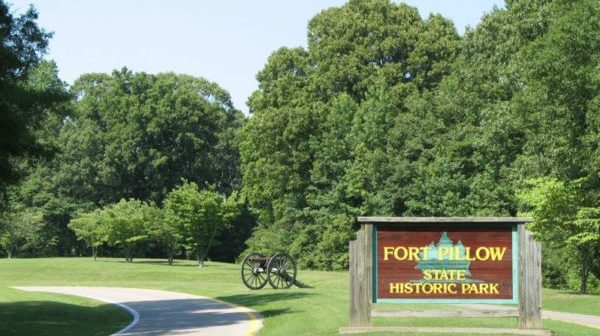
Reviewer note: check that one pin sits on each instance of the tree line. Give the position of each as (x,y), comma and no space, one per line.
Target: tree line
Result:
(387,113)
(383,113)
(190,219)
(111,147)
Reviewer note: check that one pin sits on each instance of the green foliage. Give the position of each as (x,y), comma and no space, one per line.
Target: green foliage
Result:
(386,113)
(22,103)
(20,230)
(126,135)
(125,224)
(200,215)
(137,135)
(563,218)
(317,150)
(164,230)
(88,227)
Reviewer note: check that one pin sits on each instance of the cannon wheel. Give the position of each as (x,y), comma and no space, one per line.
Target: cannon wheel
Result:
(281,271)
(253,271)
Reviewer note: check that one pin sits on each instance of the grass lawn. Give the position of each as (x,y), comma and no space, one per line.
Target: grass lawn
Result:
(319,310)
(25,313)
(571,302)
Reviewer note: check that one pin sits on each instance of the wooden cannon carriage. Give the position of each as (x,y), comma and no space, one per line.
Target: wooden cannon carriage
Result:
(279,271)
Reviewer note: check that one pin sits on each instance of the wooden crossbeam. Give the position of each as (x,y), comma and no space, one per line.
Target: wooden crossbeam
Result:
(445,313)
(460,331)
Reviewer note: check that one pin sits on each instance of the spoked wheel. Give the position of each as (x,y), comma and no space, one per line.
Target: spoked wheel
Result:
(281,271)
(254,271)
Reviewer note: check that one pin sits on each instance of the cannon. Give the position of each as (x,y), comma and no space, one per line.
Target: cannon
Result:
(279,271)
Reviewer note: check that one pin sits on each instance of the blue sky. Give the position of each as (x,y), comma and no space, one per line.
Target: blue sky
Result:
(225,41)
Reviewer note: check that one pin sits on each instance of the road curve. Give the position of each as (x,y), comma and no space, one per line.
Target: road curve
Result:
(158,312)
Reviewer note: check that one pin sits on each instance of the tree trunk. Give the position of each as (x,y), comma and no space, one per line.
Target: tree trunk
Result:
(127,254)
(584,273)
(202,255)
(200,259)
(584,279)
(94,252)
(9,253)
(170,256)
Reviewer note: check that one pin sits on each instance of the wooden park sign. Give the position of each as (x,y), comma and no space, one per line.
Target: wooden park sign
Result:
(430,263)
(445,260)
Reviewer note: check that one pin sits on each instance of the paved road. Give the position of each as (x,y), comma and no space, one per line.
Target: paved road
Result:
(591,321)
(167,313)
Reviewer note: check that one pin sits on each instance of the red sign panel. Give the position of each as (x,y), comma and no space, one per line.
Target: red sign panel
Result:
(453,263)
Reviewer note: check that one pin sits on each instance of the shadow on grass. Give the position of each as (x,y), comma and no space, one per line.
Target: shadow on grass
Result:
(300,284)
(176,263)
(43,318)
(275,312)
(259,299)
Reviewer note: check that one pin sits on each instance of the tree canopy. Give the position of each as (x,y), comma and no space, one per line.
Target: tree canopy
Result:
(23,100)
(387,113)
(383,113)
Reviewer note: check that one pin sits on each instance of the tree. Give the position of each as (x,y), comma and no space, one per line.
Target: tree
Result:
(127,135)
(18,228)
(165,231)
(88,227)
(126,224)
(563,218)
(135,135)
(22,44)
(232,241)
(316,150)
(200,215)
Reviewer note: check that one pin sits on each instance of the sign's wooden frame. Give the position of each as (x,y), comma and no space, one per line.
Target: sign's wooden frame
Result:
(528,277)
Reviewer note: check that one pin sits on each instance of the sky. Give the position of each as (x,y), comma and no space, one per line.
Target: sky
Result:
(224,41)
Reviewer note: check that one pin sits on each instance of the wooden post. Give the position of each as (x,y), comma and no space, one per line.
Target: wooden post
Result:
(367,251)
(361,277)
(355,319)
(530,281)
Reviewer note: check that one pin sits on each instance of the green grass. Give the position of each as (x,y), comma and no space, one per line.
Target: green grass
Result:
(319,310)
(25,313)
(571,302)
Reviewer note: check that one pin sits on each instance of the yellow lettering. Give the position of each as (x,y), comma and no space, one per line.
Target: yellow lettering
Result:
(479,253)
(497,253)
(468,254)
(413,253)
(470,289)
(387,251)
(404,253)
